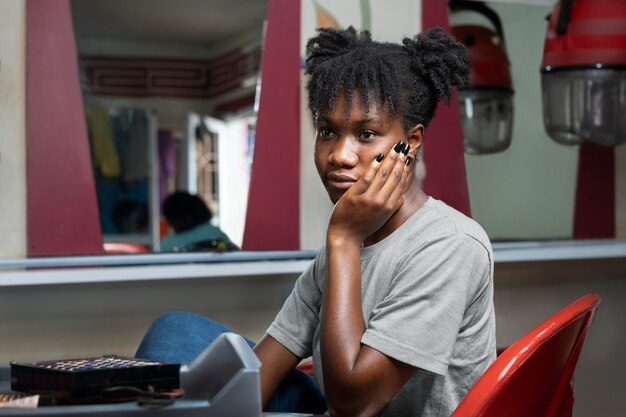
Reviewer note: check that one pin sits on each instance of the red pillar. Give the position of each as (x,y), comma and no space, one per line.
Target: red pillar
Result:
(62,213)
(446,177)
(272,218)
(594,209)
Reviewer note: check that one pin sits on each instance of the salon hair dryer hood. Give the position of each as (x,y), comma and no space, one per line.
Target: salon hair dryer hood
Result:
(583,73)
(486,106)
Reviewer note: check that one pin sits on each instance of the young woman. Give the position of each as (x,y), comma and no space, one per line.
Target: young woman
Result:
(396,310)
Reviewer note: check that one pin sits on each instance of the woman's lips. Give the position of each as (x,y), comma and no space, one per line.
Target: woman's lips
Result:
(340,181)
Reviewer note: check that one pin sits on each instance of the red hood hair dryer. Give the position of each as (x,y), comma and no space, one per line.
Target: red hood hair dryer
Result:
(583,73)
(486,106)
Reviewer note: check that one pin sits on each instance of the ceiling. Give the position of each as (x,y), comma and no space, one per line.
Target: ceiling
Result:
(197,22)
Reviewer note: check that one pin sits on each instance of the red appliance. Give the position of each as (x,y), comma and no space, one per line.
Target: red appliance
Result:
(486,106)
(583,73)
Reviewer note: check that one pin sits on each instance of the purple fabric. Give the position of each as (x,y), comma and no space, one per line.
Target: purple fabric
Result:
(167,162)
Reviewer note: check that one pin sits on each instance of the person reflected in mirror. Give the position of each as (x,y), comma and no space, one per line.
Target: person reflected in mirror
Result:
(130,216)
(190,219)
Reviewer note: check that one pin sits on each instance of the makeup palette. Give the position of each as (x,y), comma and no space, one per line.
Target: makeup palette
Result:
(88,379)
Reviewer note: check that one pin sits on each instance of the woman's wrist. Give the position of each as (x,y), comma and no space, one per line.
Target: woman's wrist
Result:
(336,238)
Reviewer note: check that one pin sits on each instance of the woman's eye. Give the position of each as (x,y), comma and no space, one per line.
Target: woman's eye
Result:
(323,132)
(367,135)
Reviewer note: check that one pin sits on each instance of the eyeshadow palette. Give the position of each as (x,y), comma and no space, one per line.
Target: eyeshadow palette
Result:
(89,379)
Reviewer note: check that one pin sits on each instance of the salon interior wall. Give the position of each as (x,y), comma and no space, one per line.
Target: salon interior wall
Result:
(388,21)
(13,165)
(13,122)
(63,321)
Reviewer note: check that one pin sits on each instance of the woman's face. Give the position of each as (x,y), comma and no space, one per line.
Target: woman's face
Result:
(345,148)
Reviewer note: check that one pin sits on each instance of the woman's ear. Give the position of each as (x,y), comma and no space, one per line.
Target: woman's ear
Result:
(414,137)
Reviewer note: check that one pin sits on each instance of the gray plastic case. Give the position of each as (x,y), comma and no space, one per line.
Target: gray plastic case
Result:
(223,381)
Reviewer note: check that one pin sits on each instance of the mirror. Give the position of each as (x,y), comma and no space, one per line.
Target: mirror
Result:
(169,91)
(527,192)
(530,191)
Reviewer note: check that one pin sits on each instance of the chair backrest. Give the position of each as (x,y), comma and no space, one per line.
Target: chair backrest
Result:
(532,377)
(124,248)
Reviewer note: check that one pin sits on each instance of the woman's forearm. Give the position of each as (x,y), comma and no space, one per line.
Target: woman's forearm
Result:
(342,322)
(276,362)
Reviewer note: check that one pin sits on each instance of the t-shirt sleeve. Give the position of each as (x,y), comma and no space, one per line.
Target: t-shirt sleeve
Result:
(419,319)
(295,325)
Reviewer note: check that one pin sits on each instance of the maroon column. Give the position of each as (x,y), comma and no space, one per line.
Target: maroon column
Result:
(443,143)
(594,209)
(272,218)
(62,214)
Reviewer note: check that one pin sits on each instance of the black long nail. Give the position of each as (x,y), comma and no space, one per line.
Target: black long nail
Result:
(406,148)
(398,148)
(380,157)
(408,160)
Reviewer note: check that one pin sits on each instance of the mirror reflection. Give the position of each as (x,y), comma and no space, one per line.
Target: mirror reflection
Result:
(511,200)
(169,91)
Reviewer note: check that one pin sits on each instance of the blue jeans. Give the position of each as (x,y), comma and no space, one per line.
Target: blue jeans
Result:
(179,337)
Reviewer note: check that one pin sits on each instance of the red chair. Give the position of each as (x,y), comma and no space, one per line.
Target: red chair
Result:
(306,367)
(533,376)
(124,248)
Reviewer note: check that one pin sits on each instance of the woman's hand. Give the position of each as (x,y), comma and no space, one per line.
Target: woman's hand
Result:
(373,199)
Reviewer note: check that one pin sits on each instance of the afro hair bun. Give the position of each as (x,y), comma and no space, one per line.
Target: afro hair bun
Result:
(330,43)
(440,60)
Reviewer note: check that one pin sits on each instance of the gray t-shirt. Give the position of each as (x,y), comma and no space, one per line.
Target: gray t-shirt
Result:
(427,292)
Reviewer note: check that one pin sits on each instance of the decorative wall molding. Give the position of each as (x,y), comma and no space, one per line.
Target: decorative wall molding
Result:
(147,77)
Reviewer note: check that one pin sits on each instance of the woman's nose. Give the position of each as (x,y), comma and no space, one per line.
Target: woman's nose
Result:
(343,154)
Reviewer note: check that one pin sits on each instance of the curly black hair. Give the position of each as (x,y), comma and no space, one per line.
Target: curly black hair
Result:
(185,211)
(408,78)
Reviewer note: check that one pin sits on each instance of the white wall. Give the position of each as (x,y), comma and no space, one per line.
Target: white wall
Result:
(527,294)
(72,320)
(65,321)
(315,206)
(234,179)
(13,122)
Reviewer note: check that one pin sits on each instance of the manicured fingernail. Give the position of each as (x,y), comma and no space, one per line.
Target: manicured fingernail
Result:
(406,149)
(399,146)
(408,160)
(380,157)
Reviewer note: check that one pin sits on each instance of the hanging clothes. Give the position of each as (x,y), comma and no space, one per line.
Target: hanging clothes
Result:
(132,135)
(121,158)
(104,152)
